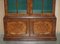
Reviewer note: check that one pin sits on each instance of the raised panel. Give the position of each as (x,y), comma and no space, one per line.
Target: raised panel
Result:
(16,28)
(42,27)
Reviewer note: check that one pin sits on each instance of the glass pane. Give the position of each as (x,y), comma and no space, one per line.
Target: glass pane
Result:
(12,6)
(47,6)
(37,6)
(22,6)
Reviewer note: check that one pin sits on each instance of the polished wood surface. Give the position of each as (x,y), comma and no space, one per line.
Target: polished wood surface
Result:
(29,26)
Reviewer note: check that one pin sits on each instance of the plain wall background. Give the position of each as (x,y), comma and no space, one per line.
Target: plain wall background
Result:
(2,13)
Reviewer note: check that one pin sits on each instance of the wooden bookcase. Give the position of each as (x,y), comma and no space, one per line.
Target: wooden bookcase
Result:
(29,20)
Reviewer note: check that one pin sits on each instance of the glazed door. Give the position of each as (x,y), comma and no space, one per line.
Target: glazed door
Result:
(29,7)
(16,7)
(40,7)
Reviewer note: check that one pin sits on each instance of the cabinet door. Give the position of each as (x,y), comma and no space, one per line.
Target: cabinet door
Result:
(16,7)
(17,28)
(42,27)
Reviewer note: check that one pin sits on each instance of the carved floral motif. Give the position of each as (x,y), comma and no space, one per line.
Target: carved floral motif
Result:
(42,27)
(16,28)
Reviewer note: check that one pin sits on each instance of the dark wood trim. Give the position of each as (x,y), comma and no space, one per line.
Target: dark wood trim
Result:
(17,7)
(43,7)
(30,39)
(29,7)
(5,7)
(54,3)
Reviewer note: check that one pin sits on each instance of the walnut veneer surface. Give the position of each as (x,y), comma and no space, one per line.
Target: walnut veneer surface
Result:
(30,28)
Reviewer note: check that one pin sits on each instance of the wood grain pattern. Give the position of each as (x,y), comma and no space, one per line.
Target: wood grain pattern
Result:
(42,27)
(29,26)
(16,28)
(29,7)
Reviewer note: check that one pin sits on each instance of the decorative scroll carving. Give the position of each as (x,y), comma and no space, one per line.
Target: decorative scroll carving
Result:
(42,27)
(16,28)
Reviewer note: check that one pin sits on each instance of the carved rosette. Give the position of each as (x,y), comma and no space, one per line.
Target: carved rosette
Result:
(16,28)
(42,27)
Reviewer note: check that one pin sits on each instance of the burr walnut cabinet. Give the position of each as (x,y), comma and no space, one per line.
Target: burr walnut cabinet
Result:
(29,20)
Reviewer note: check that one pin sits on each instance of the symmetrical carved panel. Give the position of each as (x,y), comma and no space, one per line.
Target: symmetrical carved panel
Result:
(29,29)
(42,27)
(16,28)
